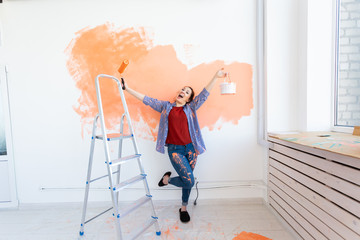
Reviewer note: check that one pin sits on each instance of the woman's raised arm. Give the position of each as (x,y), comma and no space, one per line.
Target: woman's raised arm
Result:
(136,94)
(219,74)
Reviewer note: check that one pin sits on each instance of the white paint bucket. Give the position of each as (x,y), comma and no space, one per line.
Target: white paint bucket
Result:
(227,87)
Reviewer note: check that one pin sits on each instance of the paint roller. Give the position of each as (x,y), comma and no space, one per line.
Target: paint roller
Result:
(121,70)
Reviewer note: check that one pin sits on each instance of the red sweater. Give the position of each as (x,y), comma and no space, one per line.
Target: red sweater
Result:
(178,132)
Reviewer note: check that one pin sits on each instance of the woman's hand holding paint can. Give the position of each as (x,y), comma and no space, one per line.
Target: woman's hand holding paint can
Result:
(221,73)
(227,87)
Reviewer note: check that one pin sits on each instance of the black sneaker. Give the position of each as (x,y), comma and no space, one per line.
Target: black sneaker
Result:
(184,216)
(161,184)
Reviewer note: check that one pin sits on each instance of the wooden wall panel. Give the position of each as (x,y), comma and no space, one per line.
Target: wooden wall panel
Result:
(334,168)
(317,228)
(329,193)
(290,220)
(312,190)
(327,179)
(336,157)
(345,224)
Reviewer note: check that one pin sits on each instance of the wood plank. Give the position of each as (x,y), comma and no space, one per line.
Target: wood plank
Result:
(334,228)
(331,167)
(290,220)
(343,143)
(339,184)
(320,230)
(343,216)
(333,156)
(347,203)
(313,232)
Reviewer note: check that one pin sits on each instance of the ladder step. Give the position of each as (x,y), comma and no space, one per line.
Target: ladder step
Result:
(134,205)
(114,136)
(124,159)
(143,228)
(128,182)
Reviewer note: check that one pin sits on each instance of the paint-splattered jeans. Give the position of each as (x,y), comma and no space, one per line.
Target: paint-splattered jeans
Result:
(183,158)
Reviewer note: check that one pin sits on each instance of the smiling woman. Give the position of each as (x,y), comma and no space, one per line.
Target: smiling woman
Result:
(179,131)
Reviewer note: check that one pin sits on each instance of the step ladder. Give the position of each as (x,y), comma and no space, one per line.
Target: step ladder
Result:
(113,169)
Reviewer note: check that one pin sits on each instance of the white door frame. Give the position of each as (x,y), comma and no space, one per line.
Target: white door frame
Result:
(13,203)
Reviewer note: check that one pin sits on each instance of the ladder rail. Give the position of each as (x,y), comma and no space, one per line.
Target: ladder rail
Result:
(88,177)
(120,153)
(107,151)
(136,147)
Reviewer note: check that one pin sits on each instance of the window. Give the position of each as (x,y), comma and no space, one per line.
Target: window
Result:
(347,76)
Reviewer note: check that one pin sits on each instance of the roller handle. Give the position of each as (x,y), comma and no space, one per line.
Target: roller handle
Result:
(121,70)
(123,84)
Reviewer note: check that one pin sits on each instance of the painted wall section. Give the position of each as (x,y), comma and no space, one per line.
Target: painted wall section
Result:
(155,71)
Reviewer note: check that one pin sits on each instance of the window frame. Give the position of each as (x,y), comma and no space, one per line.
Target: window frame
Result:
(335,68)
(9,157)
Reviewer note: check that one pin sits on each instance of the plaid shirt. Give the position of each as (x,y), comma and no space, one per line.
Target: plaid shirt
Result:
(164,107)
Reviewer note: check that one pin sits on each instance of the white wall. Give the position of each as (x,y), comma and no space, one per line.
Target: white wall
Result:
(320,64)
(299,65)
(282,41)
(50,153)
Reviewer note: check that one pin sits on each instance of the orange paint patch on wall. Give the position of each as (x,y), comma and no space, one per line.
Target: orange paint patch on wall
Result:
(154,71)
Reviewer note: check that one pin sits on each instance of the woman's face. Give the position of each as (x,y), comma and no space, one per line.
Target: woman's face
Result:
(183,95)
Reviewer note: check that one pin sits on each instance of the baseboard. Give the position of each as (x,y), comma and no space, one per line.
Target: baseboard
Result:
(207,190)
(9,205)
(76,205)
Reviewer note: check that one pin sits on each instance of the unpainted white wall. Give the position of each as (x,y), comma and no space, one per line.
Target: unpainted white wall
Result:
(299,65)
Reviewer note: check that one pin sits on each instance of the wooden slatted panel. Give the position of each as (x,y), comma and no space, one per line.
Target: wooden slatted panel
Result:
(347,160)
(339,184)
(290,220)
(340,220)
(333,168)
(328,225)
(318,229)
(340,199)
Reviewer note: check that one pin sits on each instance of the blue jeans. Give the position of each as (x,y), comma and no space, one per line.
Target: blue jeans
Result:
(183,158)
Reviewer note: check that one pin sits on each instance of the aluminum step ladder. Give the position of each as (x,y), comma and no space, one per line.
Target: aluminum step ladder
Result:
(113,170)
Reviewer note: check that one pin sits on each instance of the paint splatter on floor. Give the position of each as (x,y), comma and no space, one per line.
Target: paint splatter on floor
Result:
(250,236)
(153,70)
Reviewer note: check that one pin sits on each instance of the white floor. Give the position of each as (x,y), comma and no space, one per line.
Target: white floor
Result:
(218,220)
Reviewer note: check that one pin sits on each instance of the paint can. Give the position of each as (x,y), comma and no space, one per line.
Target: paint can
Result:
(227,87)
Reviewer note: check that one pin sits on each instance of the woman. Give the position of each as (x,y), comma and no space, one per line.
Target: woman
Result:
(179,130)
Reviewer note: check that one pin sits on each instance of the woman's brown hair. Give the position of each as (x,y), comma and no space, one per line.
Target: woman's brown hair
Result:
(192,95)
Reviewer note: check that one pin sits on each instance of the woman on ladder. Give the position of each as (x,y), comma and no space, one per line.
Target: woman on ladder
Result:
(179,130)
